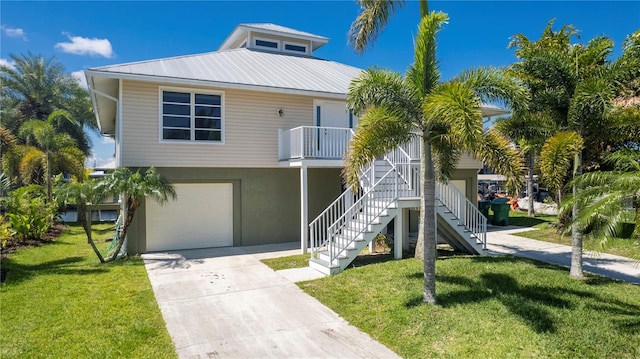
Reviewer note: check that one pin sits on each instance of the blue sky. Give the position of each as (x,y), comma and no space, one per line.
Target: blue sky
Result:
(85,34)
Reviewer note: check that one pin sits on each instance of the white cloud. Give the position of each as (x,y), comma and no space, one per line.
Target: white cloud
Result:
(79,76)
(14,32)
(95,161)
(7,63)
(108,140)
(85,46)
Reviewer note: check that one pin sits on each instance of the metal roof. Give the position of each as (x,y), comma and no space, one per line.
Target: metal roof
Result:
(250,67)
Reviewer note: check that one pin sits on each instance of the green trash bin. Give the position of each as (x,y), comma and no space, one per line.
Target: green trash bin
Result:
(500,209)
(483,206)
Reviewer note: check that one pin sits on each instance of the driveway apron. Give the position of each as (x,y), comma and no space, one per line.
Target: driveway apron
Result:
(223,302)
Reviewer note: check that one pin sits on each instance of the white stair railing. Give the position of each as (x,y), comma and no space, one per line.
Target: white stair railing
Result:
(466,212)
(357,218)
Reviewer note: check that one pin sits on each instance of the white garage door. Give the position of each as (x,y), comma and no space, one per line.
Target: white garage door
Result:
(201,217)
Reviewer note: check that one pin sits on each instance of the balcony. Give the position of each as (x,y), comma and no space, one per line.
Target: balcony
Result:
(313,143)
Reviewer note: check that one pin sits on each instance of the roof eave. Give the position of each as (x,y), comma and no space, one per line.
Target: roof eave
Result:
(218,84)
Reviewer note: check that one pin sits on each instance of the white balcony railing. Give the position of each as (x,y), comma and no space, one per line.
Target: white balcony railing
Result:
(310,142)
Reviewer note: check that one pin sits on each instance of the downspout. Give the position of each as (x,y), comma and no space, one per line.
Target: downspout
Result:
(118,134)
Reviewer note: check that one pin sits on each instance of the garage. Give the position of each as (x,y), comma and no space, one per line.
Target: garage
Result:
(201,217)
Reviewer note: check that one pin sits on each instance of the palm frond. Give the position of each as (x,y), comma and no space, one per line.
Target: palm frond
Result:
(607,200)
(376,87)
(592,99)
(423,73)
(380,130)
(454,105)
(445,150)
(372,19)
(493,85)
(496,151)
(532,128)
(625,160)
(33,165)
(556,156)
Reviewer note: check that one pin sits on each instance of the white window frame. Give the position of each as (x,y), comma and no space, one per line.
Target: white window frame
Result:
(192,128)
(285,43)
(277,42)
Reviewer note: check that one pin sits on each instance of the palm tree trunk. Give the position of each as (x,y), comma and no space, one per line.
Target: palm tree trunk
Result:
(531,210)
(131,208)
(48,175)
(427,231)
(424,8)
(82,218)
(576,233)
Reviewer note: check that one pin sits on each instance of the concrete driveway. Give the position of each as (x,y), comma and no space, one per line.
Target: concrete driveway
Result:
(223,302)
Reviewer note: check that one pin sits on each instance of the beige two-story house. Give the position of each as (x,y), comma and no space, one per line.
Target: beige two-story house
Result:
(252,135)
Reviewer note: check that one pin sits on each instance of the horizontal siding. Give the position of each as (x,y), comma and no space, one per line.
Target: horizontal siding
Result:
(468,162)
(251,126)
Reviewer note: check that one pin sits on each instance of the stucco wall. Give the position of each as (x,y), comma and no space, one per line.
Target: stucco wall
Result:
(266,201)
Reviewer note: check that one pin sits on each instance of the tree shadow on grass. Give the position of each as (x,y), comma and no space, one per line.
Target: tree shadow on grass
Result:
(526,221)
(17,272)
(363,260)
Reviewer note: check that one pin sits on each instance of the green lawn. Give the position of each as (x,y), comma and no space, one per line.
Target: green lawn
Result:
(296,261)
(545,231)
(489,307)
(59,302)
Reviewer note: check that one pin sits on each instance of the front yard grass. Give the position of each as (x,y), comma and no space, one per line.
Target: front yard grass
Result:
(288,262)
(545,231)
(488,307)
(59,302)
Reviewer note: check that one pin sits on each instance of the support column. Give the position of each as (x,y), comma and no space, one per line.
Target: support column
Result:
(304,210)
(400,233)
(405,239)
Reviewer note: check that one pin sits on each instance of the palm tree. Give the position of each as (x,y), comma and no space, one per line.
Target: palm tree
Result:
(49,150)
(575,85)
(38,86)
(134,187)
(447,118)
(529,130)
(82,192)
(609,198)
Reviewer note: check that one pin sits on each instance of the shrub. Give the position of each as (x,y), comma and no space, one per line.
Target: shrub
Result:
(29,215)
(5,233)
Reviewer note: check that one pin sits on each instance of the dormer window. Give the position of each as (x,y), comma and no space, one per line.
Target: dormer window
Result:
(273,37)
(267,44)
(292,47)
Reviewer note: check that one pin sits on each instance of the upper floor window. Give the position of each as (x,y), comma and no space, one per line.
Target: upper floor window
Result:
(267,43)
(295,48)
(191,116)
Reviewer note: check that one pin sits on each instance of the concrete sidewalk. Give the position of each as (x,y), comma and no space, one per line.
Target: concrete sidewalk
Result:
(502,241)
(223,302)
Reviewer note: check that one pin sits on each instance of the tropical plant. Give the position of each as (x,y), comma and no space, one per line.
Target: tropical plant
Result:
(373,18)
(81,191)
(529,131)
(445,116)
(134,187)
(49,151)
(37,86)
(609,199)
(29,215)
(575,85)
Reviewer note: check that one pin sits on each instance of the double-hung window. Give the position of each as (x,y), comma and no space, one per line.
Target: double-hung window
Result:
(191,116)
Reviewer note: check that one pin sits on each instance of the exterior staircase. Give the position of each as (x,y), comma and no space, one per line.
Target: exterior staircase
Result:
(389,184)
